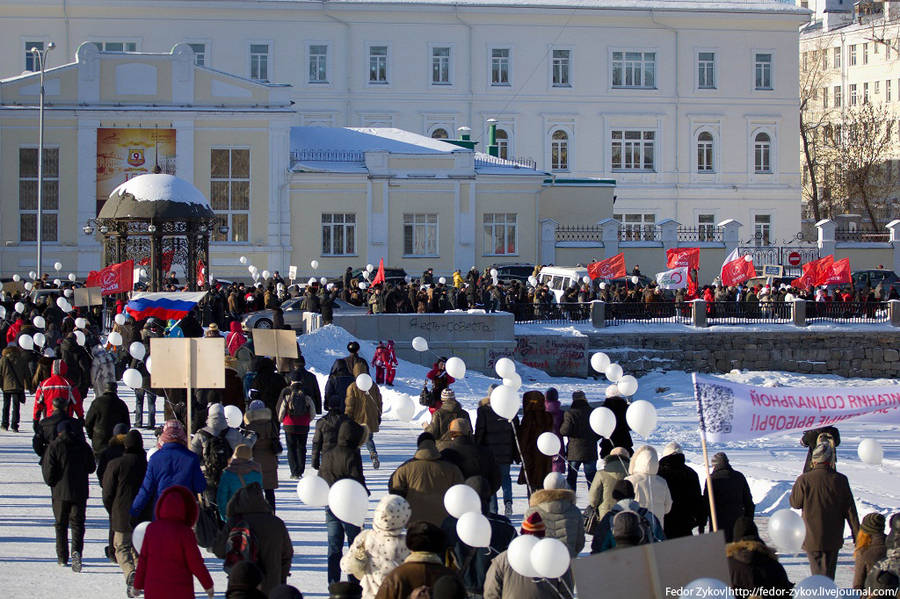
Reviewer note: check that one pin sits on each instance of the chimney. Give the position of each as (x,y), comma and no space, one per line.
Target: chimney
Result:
(493,148)
(465,133)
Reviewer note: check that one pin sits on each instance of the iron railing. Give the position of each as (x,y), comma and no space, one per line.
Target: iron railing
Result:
(619,313)
(327,156)
(861,236)
(488,160)
(700,234)
(847,312)
(639,233)
(579,233)
(550,313)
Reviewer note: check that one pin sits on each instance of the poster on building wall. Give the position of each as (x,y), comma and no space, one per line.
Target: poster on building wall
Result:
(123,154)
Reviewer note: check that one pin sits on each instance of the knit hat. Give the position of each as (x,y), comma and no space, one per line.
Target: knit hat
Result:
(120,429)
(285,591)
(426,436)
(623,490)
(242,452)
(823,454)
(578,396)
(111,387)
(257,404)
(244,575)
(459,426)
(425,536)
(873,523)
(173,431)
(533,525)
(448,587)
(216,409)
(626,528)
(344,590)
(745,528)
(555,480)
(670,448)
(447,394)
(133,440)
(353,347)
(720,460)
(392,513)
(620,452)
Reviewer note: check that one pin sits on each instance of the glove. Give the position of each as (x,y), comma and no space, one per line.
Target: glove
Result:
(210,592)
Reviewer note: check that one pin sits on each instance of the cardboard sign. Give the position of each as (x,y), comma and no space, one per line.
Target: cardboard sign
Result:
(652,570)
(275,343)
(183,363)
(292,272)
(87,296)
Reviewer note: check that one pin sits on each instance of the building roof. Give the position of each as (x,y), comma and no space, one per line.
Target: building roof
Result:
(156,196)
(766,6)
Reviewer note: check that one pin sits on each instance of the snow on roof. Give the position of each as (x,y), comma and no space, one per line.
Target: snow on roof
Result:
(160,187)
(367,139)
(776,6)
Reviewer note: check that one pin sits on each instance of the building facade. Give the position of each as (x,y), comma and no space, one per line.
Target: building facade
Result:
(690,106)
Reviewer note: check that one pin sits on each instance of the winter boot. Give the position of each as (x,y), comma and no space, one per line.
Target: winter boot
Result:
(76,561)
(508,511)
(376,463)
(129,586)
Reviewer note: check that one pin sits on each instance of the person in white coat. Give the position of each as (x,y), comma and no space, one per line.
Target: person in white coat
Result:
(376,552)
(650,490)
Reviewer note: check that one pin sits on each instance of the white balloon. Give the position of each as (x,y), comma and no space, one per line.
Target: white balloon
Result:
(251,269)
(365,274)
(29,286)
(628,385)
(57,266)
(870,452)
(329,286)
(613,373)
(266,274)
(2,312)
(313,490)
(68,293)
(550,558)
(519,555)
(147,365)
(504,367)
(442,280)
(586,280)
(420,344)
(816,586)
(80,338)
(20,307)
(641,417)
(32,274)
(549,444)
(364,382)
(612,390)
(39,322)
(705,587)
(460,499)
(602,285)
(456,368)
(120,319)
(72,276)
(115,338)
(787,530)
(17,278)
(599,362)
(369,268)
(363,286)
(348,501)
(243,259)
(314,264)
(311,281)
(513,382)
(39,339)
(26,342)
(137,535)
(57,282)
(133,378)
(532,280)
(474,529)
(505,402)
(137,350)
(603,421)
(233,416)
(80,323)
(404,408)
(494,272)
(61,303)
(323,281)
(635,280)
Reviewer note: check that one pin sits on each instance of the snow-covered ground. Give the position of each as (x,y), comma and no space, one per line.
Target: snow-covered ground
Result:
(27,554)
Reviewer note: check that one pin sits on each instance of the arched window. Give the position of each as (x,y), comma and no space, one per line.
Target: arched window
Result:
(705,152)
(439,133)
(559,150)
(762,149)
(503,144)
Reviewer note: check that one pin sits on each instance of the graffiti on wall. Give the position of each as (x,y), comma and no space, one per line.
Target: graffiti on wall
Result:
(557,356)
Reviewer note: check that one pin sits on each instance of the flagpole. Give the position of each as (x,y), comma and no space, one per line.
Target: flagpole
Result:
(709,483)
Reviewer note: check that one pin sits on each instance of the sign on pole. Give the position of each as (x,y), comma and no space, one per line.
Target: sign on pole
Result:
(277,343)
(292,272)
(87,296)
(188,363)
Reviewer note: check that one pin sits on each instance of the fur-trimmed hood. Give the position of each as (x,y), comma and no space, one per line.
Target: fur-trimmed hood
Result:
(644,461)
(550,495)
(743,550)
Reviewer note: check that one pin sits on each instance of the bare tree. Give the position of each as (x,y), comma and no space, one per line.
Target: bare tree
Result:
(814,117)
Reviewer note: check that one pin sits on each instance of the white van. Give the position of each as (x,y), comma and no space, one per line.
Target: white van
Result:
(560,278)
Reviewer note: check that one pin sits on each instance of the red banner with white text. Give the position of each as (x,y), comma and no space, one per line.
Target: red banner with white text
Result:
(115,278)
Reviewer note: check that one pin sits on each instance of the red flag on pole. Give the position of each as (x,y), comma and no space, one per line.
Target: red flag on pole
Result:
(679,257)
(837,273)
(812,272)
(379,276)
(736,269)
(611,268)
(115,278)
(201,273)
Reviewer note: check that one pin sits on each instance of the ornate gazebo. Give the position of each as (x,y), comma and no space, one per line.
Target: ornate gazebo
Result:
(157,220)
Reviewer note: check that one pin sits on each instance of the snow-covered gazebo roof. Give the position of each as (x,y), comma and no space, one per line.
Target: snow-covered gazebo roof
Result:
(157,197)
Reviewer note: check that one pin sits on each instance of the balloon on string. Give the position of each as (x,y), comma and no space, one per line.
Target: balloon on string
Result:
(599,362)
(313,490)
(369,268)
(586,280)
(456,367)
(550,558)
(474,529)
(613,373)
(787,530)
(137,350)
(19,307)
(641,417)
(17,278)
(314,264)
(420,344)
(635,280)
(612,390)
(816,586)
(364,382)
(365,274)
(627,385)
(329,286)
(137,535)
(133,378)
(72,276)
(407,278)
(602,285)
(32,274)
(81,322)
(404,408)
(39,339)
(251,269)
(514,381)
(705,587)
(504,367)
(29,286)
(311,281)
(519,555)
(348,501)
(266,274)
(80,338)
(147,365)
(68,293)
(494,273)
(442,280)
(460,499)
(39,322)
(363,286)
(57,282)
(323,281)
(603,421)
(505,402)
(57,266)
(870,451)
(243,259)
(549,444)
(532,280)
(2,312)
(120,319)
(233,416)
(26,342)
(115,338)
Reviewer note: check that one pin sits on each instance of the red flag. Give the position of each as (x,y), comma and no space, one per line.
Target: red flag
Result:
(379,276)
(166,260)
(812,272)
(115,278)
(611,268)
(679,257)
(201,273)
(837,273)
(736,269)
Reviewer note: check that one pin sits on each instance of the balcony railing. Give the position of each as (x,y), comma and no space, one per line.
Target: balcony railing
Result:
(488,160)
(327,156)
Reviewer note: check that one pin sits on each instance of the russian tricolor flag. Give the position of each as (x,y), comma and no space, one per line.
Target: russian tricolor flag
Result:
(163,305)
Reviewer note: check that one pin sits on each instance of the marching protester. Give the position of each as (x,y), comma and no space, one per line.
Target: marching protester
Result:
(106,411)
(581,450)
(296,409)
(688,510)
(15,379)
(267,447)
(753,566)
(364,407)
(57,385)
(615,468)
(215,443)
(555,502)
(623,494)
(449,410)
(621,435)
(731,496)
(535,420)
(884,575)
(424,479)
(440,380)
(871,547)
(812,438)
(496,434)
(242,470)
(471,459)
(424,565)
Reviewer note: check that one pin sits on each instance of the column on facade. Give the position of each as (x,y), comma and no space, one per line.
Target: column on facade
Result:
(609,234)
(826,240)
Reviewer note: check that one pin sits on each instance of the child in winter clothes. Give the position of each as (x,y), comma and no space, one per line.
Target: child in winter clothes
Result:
(870,547)
(375,553)
(554,408)
(241,471)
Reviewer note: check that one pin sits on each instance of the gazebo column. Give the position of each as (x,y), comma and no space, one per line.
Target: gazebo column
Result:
(190,269)
(155,261)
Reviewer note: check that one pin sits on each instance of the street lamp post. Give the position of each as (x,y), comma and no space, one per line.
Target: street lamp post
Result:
(40,56)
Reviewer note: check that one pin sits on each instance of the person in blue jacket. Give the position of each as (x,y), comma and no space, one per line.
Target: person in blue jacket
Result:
(173,464)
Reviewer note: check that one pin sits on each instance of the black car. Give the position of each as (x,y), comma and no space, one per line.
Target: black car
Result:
(394,276)
(513,272)
(873,277)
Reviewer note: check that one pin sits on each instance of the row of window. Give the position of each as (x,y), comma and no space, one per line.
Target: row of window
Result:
(641,226)
(859,94)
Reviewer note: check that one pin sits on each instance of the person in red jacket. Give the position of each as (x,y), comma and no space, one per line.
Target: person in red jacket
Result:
(12,332)
(441,380)
(390,363)
(169,557)
(57,385)
(378,361)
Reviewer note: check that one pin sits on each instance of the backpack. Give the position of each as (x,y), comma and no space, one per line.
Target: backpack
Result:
(298,403)
(425,397)
(240,546)
(214,458)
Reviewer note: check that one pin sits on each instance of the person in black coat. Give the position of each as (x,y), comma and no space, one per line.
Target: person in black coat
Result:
(496,434)
(621,435)
(121,483)
(731,496)
(326,305)
(752,564)
(308,382)
(471,459)
(46,430)
(582,448)
(105,413)
(115,449)
(339,380)
(67,464)
(688,510)
(269,383)
(327,428)
(811,438)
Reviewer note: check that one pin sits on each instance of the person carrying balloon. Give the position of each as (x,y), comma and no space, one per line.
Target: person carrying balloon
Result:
(363,404)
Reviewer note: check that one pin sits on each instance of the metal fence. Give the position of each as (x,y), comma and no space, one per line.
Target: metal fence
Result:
(748,312)
(861,236)
(847,312)
(619,313)
(700,234)
(551,313)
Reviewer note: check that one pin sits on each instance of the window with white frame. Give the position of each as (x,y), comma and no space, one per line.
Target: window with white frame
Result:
(28,188)
(500,234)
(259,62)
(116,46)
(338,234)
(199,50)
(637,227)
(378,64)
(851,55)
(853,94)
(706,227)
(440,65)
(559,150)
(865,96)
(836,57)
(31,63)
(562,60)
(229,193)
(500,66)
(762,229)
(762,148)
(705,152)
(634,69)
(706,70)
(633,150)
(865,53)
(763,70)
(838,96)
(420,234)
(503,144)
(318,63)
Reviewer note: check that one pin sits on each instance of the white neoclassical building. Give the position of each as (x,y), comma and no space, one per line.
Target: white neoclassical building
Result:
(690,106)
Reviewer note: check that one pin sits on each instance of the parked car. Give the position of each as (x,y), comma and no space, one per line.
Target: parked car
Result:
(513,272)
(773,282)
(293,314)
(560,278)
(873,277)
(394,276)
